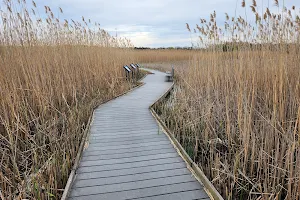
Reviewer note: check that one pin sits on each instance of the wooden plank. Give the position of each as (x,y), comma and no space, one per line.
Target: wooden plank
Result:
(145,192)
(140,120)
(192,194)
(128,160)
(127,142)
(126,138)
(120,115)
(137,124)
(130,171)
(129,165)
(128,155)
(93,181)
(122,136)
(130,150)
(123,132)
(119,187)
(127,127)
(92,148)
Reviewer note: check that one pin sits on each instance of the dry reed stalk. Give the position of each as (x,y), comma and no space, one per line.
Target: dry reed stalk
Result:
(53,73)
(236,106)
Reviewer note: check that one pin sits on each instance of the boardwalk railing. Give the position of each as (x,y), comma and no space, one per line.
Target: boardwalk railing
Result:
(193,166)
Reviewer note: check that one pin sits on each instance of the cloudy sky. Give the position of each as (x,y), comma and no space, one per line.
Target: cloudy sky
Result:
(153,23)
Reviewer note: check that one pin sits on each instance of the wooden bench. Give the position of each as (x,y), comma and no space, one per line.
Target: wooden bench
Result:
(170,76)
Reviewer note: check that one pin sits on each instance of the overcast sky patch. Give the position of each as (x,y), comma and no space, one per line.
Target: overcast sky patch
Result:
(153,23)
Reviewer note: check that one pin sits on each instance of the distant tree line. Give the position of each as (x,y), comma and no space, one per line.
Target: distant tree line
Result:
(235,46)
(240,46)
(162,48)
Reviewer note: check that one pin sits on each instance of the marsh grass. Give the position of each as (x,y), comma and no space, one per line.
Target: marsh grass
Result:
(236,105)
(162,56)
(53,73)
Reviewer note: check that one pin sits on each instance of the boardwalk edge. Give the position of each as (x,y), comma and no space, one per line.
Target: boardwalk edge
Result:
(200,176)
(85,138)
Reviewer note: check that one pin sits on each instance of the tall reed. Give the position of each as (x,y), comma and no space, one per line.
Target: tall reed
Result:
(53,72)
(162,55)
(236,106)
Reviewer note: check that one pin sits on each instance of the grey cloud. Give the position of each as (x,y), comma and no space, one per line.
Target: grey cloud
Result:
(156,22)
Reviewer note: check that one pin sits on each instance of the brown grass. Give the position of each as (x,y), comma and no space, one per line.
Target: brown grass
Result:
(236,107)
(166,55)
(53,73)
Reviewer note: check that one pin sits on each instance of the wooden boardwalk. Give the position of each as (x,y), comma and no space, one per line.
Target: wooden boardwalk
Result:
(128,157)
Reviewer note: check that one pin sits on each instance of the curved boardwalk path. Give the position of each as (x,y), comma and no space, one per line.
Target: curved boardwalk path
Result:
(128,157)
